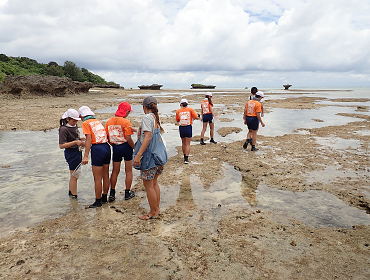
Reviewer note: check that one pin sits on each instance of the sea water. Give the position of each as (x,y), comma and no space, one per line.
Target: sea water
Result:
(34,175)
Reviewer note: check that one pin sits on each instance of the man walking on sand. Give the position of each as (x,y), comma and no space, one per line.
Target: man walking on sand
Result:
(252,118)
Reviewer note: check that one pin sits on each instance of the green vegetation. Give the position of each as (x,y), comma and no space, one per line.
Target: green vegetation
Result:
(25,66)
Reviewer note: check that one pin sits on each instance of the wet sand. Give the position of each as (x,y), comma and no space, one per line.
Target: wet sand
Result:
(223,240)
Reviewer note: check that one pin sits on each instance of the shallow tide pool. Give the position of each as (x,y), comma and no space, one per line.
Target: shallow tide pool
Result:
(34,175)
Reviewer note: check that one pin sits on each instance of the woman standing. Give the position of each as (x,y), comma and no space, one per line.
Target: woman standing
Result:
(207,117)
(185,116)
(149,124)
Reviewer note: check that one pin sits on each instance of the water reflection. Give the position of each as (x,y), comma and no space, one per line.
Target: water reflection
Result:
(242,191)
(34,180)
(313,208)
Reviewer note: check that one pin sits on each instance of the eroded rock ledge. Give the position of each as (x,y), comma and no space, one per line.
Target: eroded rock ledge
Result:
(42,85)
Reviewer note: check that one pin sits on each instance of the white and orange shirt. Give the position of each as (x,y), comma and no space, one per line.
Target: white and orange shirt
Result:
(185,116)
(252,108)
(96,129)
(117,128)
(206,107)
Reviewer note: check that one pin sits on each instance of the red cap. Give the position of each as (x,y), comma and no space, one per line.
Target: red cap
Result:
(122,109)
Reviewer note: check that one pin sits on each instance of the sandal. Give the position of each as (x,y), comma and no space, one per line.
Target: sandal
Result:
(148,217)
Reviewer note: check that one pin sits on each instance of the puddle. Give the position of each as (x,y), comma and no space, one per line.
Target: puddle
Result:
(313,208)
(363,132)
(284,121)
(34,180)
(278,121)
(338,143)
(210,203)
(330,174)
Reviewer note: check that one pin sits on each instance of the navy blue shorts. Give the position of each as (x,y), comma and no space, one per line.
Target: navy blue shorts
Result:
(73,157)
(100,154)
(252,122)
(186,131)
(208,118)
(123,151)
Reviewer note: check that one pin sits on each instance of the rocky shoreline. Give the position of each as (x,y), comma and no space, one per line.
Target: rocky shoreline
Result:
(189,242)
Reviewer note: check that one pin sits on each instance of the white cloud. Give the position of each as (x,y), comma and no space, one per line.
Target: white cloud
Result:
(182,42)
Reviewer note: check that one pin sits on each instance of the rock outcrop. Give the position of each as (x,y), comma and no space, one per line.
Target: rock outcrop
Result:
(201,86)
(153,87)
(108,86)
(42,85)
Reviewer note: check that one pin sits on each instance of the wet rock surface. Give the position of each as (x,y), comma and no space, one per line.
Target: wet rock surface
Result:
(217,240)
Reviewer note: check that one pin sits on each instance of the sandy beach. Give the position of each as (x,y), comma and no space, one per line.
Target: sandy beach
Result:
(236,240)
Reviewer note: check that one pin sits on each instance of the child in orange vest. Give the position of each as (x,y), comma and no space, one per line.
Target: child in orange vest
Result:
(185,116)
(119,133)
(207,117)
(97,143)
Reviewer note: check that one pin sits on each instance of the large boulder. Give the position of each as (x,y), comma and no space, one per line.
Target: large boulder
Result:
(42,85)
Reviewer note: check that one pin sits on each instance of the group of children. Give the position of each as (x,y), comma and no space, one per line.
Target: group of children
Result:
(117,133)
(253,114)
(185,117)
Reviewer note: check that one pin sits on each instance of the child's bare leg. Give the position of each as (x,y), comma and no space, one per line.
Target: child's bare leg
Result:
(151,194)
(129,176)
(114,175)
(212,129)
(73,184)
(157,190)
(254,137)
(98,176)
(105,177)
(203,130)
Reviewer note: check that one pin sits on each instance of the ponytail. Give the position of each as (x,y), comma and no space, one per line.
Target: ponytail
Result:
(153,107)
(63,122)
(209,100)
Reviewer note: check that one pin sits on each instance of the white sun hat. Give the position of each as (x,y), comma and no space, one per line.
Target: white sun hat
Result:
(85,111)
(71,113)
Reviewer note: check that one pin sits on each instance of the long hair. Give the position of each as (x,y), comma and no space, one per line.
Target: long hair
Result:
(154,110)
(209,100)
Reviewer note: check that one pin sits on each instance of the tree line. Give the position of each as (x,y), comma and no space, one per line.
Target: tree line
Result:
(20,66)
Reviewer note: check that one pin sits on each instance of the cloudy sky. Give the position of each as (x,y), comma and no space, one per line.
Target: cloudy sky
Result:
(227,43)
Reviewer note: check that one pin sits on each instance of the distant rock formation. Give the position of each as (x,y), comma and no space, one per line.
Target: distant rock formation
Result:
(42,85)
(153,86)
(200,86)
(108,86)
(287,86)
